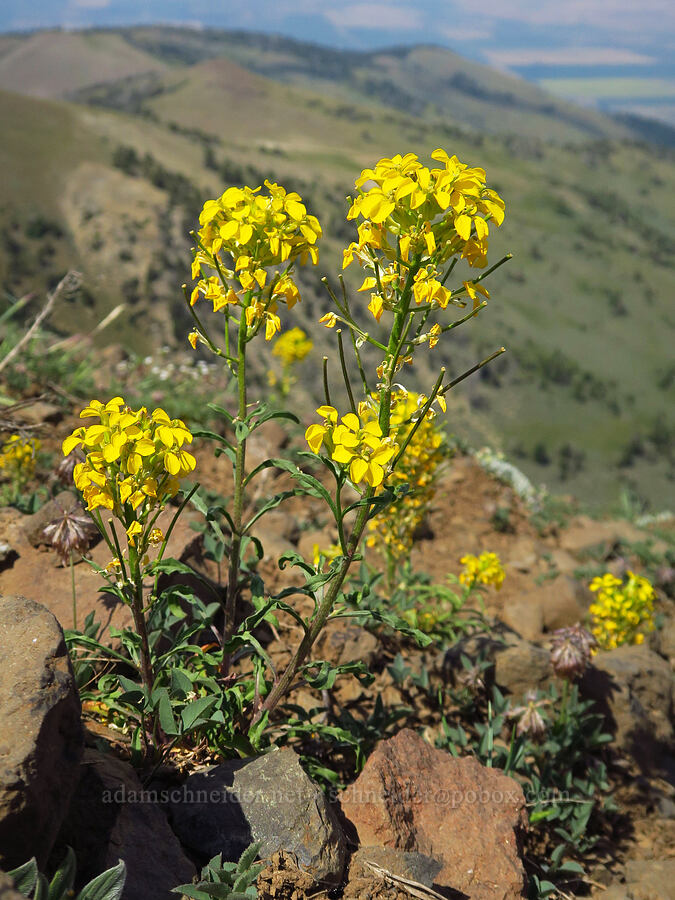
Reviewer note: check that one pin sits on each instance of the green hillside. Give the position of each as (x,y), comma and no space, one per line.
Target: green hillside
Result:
(112,184)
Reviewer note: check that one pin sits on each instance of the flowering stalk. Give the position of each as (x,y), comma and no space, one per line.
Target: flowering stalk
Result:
(132,465)
(417,223)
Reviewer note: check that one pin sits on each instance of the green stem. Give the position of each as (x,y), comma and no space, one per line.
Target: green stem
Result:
(345,373)
(326,391)
(400,317)
(136,603)
(470,371)
(323,610)
(72,587)
(238,501)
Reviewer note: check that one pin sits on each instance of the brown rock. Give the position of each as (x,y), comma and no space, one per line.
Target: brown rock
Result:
(563,561)
(35,571)
(522,666)
(269,799)
(111,817)
(41,737)
(585,533)
(341,642)
(634,687)
(523,555)
(560,603)
(525,615)
(40,412)
(7,889)
(413,798)
(650,879)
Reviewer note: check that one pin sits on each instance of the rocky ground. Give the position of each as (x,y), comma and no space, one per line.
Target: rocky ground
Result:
(387,835)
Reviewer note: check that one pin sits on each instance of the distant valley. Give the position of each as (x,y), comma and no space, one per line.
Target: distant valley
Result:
(112,140)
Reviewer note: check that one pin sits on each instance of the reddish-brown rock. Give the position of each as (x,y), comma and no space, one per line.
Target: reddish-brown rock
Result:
(414,798)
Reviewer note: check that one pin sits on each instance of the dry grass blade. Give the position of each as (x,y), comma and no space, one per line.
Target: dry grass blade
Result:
(69,280)
(415,888)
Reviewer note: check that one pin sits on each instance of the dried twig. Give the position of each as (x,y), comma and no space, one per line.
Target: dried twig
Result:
(415,888)
(68,280)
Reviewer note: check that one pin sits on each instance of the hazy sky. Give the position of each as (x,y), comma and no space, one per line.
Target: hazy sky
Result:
(627,31)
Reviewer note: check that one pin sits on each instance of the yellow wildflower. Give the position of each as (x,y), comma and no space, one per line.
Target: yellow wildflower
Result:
(622,611)
(353,444)
(483,569)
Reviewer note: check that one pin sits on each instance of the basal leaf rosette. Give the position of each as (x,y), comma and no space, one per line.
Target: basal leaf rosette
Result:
(358,446)
(133,459)
(251,240)
(415,219)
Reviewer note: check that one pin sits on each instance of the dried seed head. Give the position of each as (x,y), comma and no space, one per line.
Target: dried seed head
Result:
(65,469)
(70,532)
(530,720)
(571,650)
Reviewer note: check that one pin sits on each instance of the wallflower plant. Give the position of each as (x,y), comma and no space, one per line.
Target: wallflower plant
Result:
(416,224)
(131,469)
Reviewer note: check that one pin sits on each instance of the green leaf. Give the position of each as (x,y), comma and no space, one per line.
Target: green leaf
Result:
(211,436)
(271,504)
(41,888)
(192,890)
(222,411)
(25,877)
(128,685)
(166,717)
(241,431)
(170,566)
(106,886)
(248,857)
(64,877)
(191,713)
(180,681)
(368,616)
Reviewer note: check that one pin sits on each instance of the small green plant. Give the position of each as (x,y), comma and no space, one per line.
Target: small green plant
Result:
(227,881)
(553,745)
(17,467)
(30,882)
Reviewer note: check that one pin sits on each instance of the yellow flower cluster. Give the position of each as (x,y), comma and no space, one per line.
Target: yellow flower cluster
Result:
(17,456)
(254,231)
(132,457)
(622,611)
(353,443)
(292,347)
(483,569)
(415,215)
(394,528)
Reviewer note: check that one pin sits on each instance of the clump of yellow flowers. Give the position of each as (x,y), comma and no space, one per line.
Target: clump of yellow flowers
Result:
(392,531)
(17,457)
(133,460)
(623,611)
(290,348)
(416,219)
(243,234)
(484,569)
(133,457)
(356,444)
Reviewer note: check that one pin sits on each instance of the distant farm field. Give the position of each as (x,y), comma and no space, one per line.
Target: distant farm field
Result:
(609,88)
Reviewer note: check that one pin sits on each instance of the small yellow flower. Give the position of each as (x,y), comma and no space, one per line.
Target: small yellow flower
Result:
(483,569)
(292,347)
(353,444)
(623,611)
